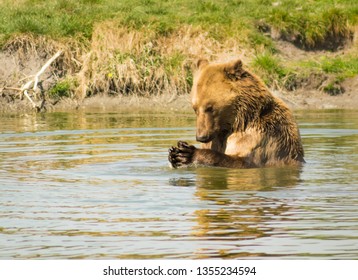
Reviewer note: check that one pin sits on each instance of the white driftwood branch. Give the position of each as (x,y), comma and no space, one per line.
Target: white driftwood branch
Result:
(29,98)
(27,85)
(43,68)
(35,80)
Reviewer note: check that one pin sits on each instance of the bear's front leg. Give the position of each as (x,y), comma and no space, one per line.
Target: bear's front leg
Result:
(183,155)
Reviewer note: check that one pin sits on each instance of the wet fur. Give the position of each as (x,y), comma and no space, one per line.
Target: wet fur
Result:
(242,124)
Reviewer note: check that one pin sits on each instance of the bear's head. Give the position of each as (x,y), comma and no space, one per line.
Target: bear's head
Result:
(224,97)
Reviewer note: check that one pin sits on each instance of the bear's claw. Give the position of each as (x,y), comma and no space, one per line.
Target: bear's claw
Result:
(181,155)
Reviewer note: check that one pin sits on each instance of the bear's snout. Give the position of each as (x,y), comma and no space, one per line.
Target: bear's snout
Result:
(203,138)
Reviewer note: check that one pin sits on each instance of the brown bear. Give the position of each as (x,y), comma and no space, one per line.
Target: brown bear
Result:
(240,123)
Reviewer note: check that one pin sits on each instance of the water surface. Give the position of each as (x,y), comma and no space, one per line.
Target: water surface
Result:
(98,186)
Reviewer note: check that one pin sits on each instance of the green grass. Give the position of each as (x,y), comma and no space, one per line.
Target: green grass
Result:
(347,66)
(309,21)
(324,27)
(248,24)
(63,88)
(343,67)
(270,67)
(273,70)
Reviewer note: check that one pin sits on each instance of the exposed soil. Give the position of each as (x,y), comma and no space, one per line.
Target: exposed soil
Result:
(301,99)
(314,99)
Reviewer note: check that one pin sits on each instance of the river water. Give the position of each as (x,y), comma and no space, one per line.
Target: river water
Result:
(98,186)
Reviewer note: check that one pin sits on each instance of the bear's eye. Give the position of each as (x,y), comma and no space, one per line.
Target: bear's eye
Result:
(209,109)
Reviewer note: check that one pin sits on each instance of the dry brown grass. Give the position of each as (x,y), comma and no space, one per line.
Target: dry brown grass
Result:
(124,61)
(26,46)
(119,60)
(25,54)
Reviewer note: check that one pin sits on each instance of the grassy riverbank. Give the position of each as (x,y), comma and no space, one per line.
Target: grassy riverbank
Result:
(148,47)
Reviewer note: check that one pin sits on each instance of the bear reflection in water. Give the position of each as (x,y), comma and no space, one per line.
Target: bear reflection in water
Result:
(239,205)
(239,122)
(226,179)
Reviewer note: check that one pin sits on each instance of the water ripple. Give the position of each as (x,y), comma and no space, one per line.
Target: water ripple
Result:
(98,186)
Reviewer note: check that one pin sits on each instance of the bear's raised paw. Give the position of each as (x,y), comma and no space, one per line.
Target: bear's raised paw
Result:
(182,155)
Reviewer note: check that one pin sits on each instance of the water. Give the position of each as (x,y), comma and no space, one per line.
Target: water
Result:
(98,186)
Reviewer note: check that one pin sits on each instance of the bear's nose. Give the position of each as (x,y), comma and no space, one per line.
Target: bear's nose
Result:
(203,138)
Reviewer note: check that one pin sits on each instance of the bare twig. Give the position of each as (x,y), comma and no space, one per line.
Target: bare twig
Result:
(24,89)
(12,88)
(43,68)
(29,98)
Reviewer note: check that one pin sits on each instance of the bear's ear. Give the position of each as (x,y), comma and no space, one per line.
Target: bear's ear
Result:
(201,63)
(234,70)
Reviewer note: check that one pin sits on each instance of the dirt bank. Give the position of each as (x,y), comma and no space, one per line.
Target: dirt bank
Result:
(313,99)
(72,73)
(296,100)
